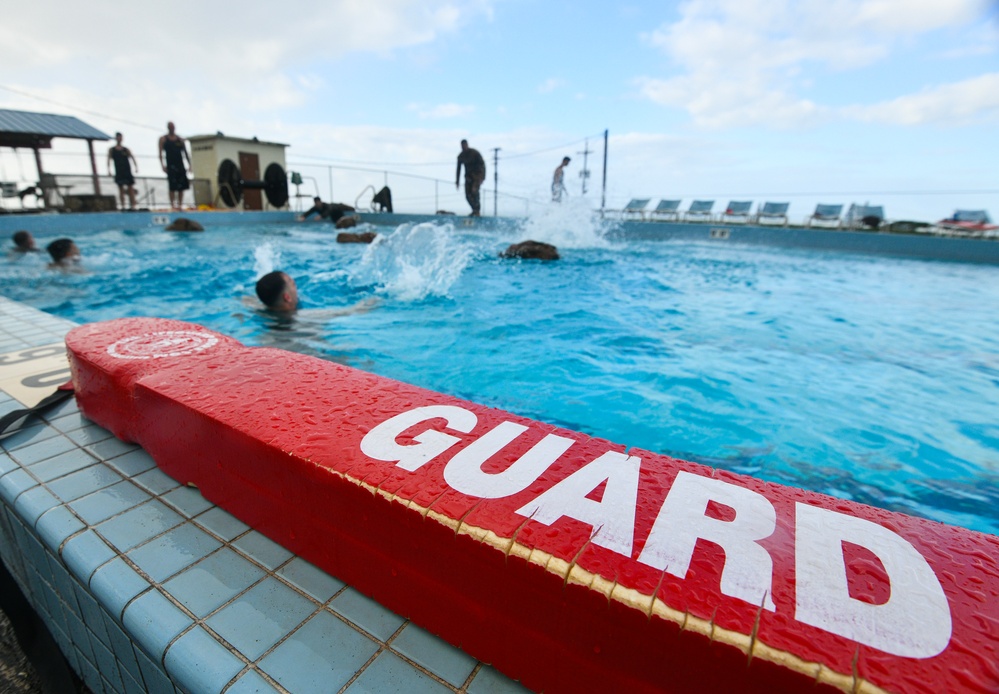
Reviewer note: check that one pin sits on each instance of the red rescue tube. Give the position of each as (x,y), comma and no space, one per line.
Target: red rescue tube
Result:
(568,562)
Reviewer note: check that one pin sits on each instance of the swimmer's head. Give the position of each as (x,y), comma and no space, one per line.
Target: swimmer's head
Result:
(63,251)
(24,241)
(277,291)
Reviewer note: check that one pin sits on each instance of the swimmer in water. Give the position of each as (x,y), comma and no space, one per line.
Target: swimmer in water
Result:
(65,255)
(278,292)
(24,242)
(287,326)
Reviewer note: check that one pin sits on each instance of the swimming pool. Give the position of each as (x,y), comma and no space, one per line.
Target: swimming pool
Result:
(868,378)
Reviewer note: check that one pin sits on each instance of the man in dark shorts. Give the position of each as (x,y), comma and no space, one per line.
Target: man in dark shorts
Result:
(475,174)
(173,154)
(121,155)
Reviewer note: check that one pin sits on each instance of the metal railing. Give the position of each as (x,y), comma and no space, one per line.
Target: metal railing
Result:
(75,192)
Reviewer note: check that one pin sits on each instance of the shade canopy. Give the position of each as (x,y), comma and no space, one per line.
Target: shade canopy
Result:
(36,130)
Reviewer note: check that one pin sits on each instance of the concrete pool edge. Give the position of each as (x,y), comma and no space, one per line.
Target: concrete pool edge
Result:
(124,624)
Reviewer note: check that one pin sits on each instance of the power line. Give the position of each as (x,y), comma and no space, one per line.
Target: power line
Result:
(374,163)
(549,149)
(77,108)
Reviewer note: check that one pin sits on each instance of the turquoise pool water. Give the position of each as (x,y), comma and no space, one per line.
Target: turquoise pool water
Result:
(868,378)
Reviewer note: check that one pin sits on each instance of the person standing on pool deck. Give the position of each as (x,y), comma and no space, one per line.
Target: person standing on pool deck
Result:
(475,174)
(173,153)
(121,155)
(558,185)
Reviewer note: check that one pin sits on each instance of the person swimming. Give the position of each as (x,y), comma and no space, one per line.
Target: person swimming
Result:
(65,255)
(290,327)
(24,242)
(278,292)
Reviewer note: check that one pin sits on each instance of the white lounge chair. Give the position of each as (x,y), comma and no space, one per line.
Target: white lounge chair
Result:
(666,209)
(773,212)
(737,211)
(827,214)
(634,208)
(699,211)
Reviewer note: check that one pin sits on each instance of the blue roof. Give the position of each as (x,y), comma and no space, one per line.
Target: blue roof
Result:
(47,125)
(974,216)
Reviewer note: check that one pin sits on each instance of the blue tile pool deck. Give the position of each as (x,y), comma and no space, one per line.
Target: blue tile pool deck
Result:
(148,587)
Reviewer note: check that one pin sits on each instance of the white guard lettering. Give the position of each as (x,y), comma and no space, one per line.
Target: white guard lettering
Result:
(915,622)
(464,470)
(748,570)
(612,518)
(380,442)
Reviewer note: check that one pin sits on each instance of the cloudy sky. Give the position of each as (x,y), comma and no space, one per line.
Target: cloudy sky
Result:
(895,102)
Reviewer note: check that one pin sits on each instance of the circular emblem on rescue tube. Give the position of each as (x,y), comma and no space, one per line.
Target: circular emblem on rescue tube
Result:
(165,343)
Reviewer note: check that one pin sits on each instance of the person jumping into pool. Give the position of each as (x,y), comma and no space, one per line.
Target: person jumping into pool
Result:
(475,174)
(278,292)
(121,156)
(65,255)
(326,210)
(173,154)
(558,184)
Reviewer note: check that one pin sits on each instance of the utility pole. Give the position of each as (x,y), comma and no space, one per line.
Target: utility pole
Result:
(603,193)
(495,178)
(585,173)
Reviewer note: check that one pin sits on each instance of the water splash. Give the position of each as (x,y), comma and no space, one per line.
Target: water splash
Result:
(265,259)
(414,261)
(571,224)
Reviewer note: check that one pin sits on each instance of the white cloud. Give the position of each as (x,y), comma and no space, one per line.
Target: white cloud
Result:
(743,62)
(969,101)
(250,55)
(550,85)
(441,110)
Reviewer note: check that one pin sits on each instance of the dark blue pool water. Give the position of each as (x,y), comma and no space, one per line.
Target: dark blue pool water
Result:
(873,379)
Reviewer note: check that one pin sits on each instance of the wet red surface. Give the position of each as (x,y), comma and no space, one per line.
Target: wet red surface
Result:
(604,569)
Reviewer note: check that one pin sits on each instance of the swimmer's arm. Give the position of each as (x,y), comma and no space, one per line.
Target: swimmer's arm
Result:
(362,306)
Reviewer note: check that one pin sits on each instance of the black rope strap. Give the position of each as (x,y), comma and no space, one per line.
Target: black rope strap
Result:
(62,393)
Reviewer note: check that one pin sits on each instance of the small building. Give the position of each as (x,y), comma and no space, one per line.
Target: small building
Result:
(238,172)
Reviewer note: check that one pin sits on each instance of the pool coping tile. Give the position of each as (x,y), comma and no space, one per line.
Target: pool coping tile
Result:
(261,617)
(199,663)
(369,615)
(390,673)
(323,653)
(436,655)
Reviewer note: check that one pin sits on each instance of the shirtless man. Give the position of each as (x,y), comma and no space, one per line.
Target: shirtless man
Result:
(173,154)
(558,183)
